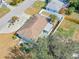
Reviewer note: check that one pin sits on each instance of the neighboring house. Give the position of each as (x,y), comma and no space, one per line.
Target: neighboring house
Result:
(0,2)
(33,27)
(64,1)
(55,5)
(3,3)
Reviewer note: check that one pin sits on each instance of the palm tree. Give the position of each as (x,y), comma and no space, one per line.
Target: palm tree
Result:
(13,19)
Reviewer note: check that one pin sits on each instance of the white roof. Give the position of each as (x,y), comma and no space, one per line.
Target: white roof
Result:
(48,27)
(55,5)
(59,16)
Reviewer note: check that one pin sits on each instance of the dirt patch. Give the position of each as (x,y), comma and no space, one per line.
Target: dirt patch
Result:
(74,17)
(32,11)
(6,42)
(66,24)
(3,11)
(76,36)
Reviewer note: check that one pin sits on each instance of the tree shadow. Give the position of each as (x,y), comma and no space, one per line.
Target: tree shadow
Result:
(16,53)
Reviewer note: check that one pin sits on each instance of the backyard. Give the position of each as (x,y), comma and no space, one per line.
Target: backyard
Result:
(45,13)
(74,17)
(68,29)
(3,11)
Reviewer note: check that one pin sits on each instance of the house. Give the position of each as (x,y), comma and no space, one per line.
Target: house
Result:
(3,3)
(33,27)
(0,2)
(64,1)
(55,5)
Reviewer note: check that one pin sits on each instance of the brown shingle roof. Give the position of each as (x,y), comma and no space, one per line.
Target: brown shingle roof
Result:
(33,27)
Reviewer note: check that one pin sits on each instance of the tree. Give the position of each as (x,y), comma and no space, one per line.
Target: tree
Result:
(74,3)
(55,48)
(15,53)
(15,2)
(41,51)
(13,19)
(68,12)
(26,47)
(62,48)
(73,6)
(48,48)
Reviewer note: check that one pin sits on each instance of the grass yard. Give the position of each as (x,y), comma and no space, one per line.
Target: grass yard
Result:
(76,36)
(67,28)
(66,24)
(74,17)
(3,11)
(35,9)
(39,4)
(32,11)
(8,1)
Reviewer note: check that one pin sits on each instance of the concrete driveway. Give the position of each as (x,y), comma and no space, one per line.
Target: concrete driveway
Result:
(18,10)
(7,28)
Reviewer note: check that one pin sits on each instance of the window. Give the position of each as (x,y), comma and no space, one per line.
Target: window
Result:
(45,31)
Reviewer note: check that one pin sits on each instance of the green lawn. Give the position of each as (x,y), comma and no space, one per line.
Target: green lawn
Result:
(66,33)
(67,29)
(3,11)
(35,9)
(39,4)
